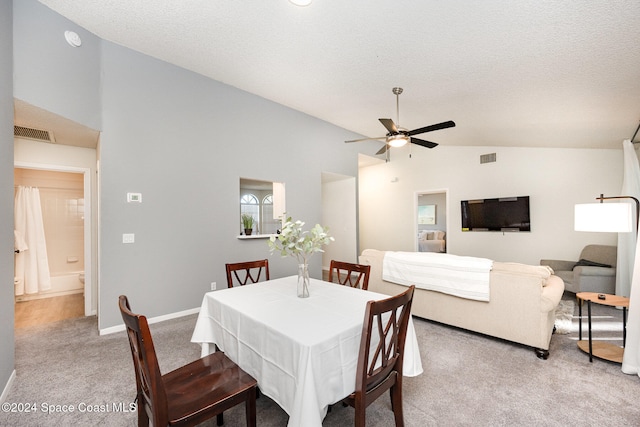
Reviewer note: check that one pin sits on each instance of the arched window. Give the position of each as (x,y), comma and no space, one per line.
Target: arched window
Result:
(249,205)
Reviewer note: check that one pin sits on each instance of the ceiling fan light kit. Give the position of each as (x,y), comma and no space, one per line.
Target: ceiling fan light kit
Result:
(397,140)
(398,137)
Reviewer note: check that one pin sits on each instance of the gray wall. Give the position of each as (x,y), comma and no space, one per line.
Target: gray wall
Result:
(6,195)
(184,141)
(51,74)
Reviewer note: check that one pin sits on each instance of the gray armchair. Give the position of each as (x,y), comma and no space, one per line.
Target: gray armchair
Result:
(589,274)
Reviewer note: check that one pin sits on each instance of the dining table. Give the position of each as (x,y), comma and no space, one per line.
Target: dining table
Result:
(303,352)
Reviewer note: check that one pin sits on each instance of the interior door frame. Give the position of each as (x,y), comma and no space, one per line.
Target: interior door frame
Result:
(416,197)
(88,225)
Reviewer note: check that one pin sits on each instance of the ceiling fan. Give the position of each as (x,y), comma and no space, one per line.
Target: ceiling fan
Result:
(398,136)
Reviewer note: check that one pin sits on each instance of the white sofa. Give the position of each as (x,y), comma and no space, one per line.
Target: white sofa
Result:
(432,241)
(521,308)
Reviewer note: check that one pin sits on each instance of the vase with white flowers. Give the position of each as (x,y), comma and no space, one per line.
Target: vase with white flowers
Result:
(294,242)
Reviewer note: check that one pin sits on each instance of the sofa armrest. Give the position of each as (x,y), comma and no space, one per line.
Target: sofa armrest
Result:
(584,270)
(558,265)
(551,294)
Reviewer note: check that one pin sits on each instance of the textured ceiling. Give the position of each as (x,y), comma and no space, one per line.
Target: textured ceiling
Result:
(509,73)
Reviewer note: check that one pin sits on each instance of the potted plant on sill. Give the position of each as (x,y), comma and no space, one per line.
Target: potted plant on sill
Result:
(247,224)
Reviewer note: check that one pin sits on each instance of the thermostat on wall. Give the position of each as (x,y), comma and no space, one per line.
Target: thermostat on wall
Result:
(134,197)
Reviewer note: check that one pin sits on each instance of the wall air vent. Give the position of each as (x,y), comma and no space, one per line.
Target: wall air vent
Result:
(32,133)
(488,158)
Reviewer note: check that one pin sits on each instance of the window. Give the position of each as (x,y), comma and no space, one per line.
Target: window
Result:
(262,200)
(249,205)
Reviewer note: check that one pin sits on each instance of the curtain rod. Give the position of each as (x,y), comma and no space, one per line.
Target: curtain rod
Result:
(48,188)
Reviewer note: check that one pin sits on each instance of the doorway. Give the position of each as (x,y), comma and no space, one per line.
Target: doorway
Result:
(431,213)
(339,214)
(65,195)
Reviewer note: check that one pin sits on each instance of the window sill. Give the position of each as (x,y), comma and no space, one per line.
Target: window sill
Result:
(256,236)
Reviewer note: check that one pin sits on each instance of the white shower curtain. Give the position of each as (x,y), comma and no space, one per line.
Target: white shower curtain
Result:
(32,265)
(631,187)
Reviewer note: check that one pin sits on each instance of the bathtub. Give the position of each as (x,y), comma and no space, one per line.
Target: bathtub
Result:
(61,284)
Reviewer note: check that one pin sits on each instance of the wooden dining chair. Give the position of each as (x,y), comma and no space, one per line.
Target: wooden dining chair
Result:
(381,354)
(190,394)
(354,275)
(246,272)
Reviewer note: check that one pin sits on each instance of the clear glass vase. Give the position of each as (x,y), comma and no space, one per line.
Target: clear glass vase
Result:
(303,280)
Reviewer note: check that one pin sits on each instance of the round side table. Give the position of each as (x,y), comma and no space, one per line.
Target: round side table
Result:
(602,350)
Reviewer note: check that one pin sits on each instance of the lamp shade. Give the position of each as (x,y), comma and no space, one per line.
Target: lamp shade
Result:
(604,217)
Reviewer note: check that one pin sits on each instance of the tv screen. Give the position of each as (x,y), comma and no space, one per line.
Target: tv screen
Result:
(503,214)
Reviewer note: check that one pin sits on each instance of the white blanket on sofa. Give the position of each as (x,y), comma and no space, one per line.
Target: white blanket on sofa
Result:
(465,277)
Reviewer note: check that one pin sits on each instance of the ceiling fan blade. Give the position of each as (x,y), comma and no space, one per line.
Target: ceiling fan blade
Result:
(423,143)
(431,128)
(383,149)
(366,139)
(391,127)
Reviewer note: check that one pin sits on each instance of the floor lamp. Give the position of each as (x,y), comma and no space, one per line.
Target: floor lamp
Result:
(606,217)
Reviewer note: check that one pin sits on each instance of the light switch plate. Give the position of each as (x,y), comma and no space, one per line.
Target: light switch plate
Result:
(128,238)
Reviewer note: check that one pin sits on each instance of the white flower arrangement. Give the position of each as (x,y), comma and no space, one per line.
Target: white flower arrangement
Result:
(294,242)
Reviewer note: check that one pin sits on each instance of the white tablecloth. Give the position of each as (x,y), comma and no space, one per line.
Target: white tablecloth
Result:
(302,351)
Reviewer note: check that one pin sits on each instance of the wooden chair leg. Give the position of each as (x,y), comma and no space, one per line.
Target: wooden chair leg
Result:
(250,407)
(396,405)
(360,416)
(143,417)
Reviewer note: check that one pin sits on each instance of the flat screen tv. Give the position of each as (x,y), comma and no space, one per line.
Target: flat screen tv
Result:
(503,214)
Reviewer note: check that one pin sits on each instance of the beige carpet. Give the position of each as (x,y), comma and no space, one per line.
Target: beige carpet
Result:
(468,380)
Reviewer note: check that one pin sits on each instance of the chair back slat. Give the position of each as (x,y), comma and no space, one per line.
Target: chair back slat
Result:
(349,274)
(383,339)
(246,272)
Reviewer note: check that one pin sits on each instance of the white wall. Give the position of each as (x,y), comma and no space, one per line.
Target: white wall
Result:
(555,179)
(339,214)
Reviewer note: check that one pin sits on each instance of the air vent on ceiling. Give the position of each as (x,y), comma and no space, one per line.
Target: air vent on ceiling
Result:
(488,158)
(32,133)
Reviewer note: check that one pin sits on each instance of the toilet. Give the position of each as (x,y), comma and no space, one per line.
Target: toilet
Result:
(18,285)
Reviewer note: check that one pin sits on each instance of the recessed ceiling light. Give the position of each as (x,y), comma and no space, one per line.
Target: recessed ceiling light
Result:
(301,2)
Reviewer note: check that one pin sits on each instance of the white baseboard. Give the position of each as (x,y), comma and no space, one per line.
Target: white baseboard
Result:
(7,387)
(151,320)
